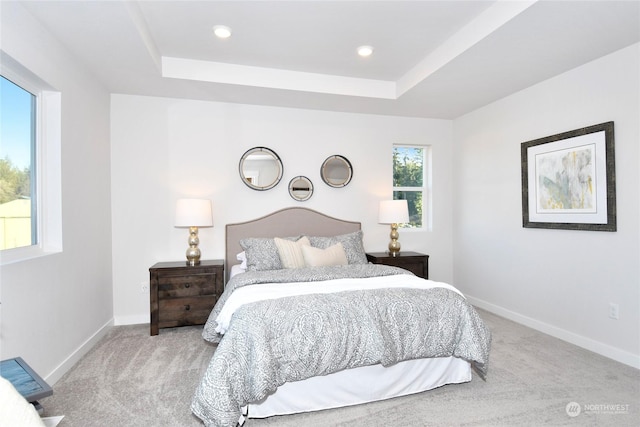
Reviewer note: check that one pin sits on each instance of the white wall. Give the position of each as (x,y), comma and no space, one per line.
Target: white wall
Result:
(54,307)
(165,149)
(558,281)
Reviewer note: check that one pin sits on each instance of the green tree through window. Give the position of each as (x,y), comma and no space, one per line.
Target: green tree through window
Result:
(17,173)
(15,183)
(409,180)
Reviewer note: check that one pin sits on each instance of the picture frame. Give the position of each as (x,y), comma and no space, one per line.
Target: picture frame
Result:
(569,181)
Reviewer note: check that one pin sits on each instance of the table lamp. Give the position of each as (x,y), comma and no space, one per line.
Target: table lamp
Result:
(193,213)
(393,212)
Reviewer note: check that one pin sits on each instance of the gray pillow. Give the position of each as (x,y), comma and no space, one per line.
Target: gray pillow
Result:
(262,253)
(352,244)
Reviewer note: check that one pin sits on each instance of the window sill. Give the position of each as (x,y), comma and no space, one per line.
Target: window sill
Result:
(12,256)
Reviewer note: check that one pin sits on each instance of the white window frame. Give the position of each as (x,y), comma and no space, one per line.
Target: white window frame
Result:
(48,163)
(427,210)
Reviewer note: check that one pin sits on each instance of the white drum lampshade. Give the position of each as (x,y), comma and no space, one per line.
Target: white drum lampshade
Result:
(193,213)
(393,212)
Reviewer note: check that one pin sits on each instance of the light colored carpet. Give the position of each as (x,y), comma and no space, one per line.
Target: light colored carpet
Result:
(132,379)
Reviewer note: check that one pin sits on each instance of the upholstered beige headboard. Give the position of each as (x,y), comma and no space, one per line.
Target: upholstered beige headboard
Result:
(283,223)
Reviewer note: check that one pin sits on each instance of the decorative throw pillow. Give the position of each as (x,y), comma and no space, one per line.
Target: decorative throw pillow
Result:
(291,252)
(351,242)
(316,257)
(262,253)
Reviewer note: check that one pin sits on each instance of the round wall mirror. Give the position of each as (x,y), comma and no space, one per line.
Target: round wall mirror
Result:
(336,171)
(260,168)
(301,188)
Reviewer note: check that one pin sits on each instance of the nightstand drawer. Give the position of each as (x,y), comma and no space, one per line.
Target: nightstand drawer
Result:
(185,311)
(182,295)
(175,285)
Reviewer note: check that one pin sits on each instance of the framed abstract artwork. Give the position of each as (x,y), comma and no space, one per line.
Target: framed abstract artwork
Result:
(569,180)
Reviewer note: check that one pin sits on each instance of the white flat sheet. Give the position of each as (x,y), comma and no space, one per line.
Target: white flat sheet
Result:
(266,291)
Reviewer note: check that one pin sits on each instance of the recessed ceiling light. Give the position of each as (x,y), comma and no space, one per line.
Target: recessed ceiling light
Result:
(365,50)
(222,31)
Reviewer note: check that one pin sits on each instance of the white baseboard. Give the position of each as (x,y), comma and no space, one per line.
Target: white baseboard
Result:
(602,349)
(74,357)
(132,320)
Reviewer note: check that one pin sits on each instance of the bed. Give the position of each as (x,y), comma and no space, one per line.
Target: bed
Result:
(307,324)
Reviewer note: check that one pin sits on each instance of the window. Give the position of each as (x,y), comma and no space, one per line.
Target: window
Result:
(18,209)
(411,182)
(30,164)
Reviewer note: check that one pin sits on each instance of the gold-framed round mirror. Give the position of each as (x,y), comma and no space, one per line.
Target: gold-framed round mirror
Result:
(336,171)
(260,168)
(300,188)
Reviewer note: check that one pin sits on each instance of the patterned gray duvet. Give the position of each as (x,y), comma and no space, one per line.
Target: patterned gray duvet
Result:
(273,341)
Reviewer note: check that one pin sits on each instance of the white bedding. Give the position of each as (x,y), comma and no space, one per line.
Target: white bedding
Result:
(266,291)
(236,269)
(221,394)
(351,386)
(361,385)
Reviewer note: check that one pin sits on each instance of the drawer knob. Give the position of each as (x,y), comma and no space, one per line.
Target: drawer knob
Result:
(188,285)
(187,307)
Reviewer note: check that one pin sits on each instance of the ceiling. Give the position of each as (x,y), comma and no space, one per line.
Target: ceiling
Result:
(436,59)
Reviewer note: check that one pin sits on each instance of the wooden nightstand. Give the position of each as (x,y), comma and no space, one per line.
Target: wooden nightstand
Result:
(415,262)
(182,295)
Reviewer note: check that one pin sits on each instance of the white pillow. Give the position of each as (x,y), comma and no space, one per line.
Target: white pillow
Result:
(316,257)
(236,269)
(291,252)
(242,257)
